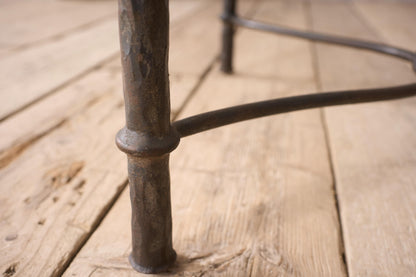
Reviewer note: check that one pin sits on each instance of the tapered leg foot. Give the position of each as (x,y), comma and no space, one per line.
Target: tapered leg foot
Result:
(150,269)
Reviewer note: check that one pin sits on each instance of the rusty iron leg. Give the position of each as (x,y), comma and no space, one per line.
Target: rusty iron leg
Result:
(227,37)
(148,137)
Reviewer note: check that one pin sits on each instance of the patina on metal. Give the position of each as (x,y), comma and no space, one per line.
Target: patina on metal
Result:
(149,136)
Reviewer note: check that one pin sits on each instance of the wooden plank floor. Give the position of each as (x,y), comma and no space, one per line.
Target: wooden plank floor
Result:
(324,192)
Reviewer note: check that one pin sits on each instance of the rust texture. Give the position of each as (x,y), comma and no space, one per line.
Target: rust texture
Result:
(148,136)
(151,216)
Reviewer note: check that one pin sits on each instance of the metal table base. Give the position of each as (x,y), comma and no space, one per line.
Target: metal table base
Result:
(149,136)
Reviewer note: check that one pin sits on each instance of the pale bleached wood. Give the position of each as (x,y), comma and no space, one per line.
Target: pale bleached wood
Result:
(27,75)
(391,21)
(34,21)
(55,192)
(373,145)
(45,189)
(19,131)
(32,73)
(251,199)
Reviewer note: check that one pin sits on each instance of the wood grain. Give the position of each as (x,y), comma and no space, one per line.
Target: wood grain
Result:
(28,75)
(31,22)
(22,129)
(55,192)
(373,145)
(251,199)
(390,21)
(35,72)
(35,21)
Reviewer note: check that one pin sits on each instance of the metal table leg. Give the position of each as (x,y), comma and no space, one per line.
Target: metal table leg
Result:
(148,137)
(228,37)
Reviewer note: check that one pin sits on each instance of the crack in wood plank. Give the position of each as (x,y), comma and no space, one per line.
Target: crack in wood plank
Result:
(9,155)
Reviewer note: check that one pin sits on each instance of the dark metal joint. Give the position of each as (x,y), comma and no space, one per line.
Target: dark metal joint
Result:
(226,18)
(139,144)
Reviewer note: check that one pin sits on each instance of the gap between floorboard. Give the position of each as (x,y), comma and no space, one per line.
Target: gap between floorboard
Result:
(318,82)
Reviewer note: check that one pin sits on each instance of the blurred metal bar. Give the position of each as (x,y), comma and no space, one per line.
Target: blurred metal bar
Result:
(228,31)
(331,39)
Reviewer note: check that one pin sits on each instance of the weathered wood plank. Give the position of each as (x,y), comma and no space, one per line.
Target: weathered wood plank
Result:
(252,199)
(30,74)
(19,131)
(35,21)
(33,73)
(391,21)
(373,145)
(47,187)
(55,192)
